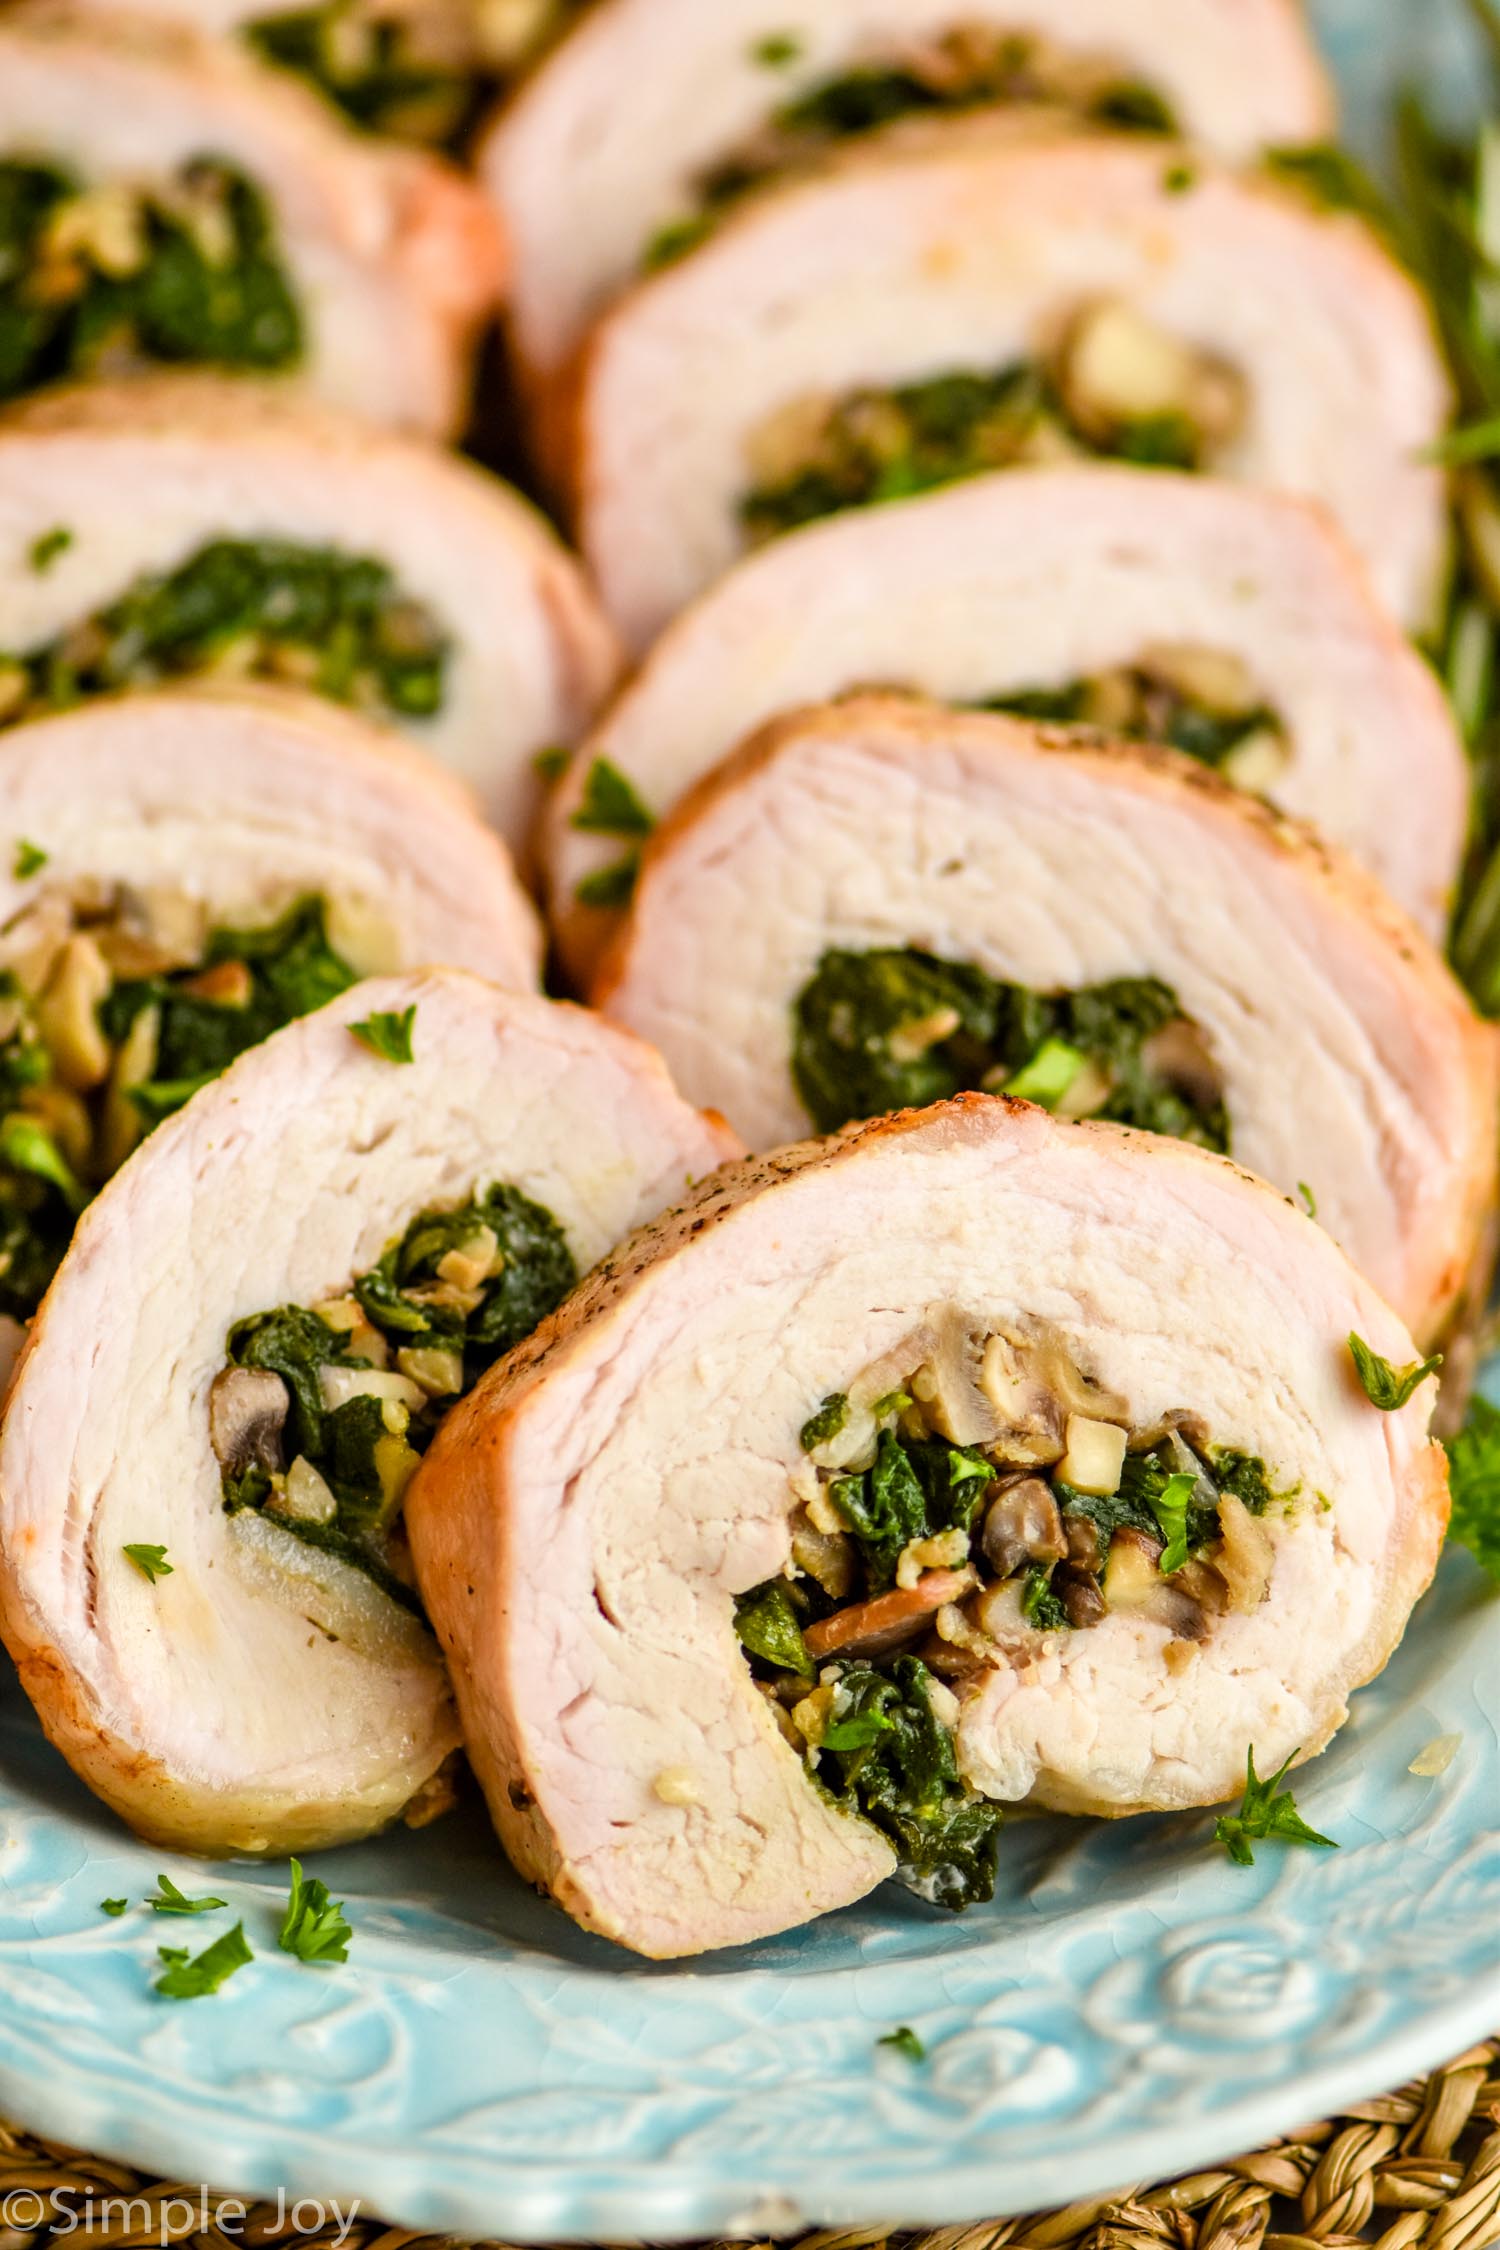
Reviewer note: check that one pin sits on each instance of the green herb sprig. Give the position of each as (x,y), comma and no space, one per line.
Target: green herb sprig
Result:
(1268,1813)
(1389,1388)
(314,1928)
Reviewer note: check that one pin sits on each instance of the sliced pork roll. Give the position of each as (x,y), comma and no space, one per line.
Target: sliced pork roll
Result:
(180,875)
(170,199)
(1233,623)
(968,1460)
(976,300)
(887,901)
(723,99)
(202,1574)
(191,524)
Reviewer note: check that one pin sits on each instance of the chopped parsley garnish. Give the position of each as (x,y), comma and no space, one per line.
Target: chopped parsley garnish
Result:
(151,1562)
(43,552)
(610,806)
(1474,1480)
(314,1928)
(388,1036)
(1389,1388)
(1267,1814)
(114,1907)
(887,1030)
(1309,1200)
(905,2042)
(551,763)
(831,1417)
(29,860)
(170,1900)
(194,1979)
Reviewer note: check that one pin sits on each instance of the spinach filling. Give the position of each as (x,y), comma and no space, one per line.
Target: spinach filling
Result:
(188,271)
(336,623)
(250,983)
(321,1414)
(964,68)
(1239,734)
(885,1030)
(873,446)
(913,1563)
(379,70)
(92,1057)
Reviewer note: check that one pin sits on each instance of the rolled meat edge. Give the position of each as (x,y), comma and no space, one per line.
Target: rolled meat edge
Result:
(603,1519)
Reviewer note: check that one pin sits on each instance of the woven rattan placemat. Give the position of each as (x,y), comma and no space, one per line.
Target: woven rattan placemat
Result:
(1415,2170)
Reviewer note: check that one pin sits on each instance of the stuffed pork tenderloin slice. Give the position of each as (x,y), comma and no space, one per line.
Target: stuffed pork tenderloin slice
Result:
(971,300)
(1235,624)
(968,1459)
(727,99)
(203,1578)
(889,901)
(171,199)
(180,875)
(182,525)
(416,70)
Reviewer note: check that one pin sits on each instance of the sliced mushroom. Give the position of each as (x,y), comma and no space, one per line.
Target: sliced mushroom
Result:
(869,1628)
(1180,1054)
(67,1015)
(1022,1525)
(247,1411)
(827,1556)
(1084,1545)
(957,1404)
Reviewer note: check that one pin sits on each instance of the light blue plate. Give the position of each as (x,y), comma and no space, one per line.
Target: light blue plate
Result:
(1130,2006)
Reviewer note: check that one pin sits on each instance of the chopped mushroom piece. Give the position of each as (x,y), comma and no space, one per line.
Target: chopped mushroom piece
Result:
(1022,1525)
(247,1411)
(890,1619)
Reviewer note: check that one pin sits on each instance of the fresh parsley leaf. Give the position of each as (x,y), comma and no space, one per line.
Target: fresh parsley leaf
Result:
(551,763)
(830,1418)
(1474,1479)
(43,552)
(170,1900)
(609,805)
(187,1979)
(1308,1198)
(388,1036)
(768,1626)
(29,859)
(1047,1077)
(114,1907)
(905,2042)
(1385,1386)
(612,886)
(1170,1508)
(314,1928)
(151,1562)
(1268,1812)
